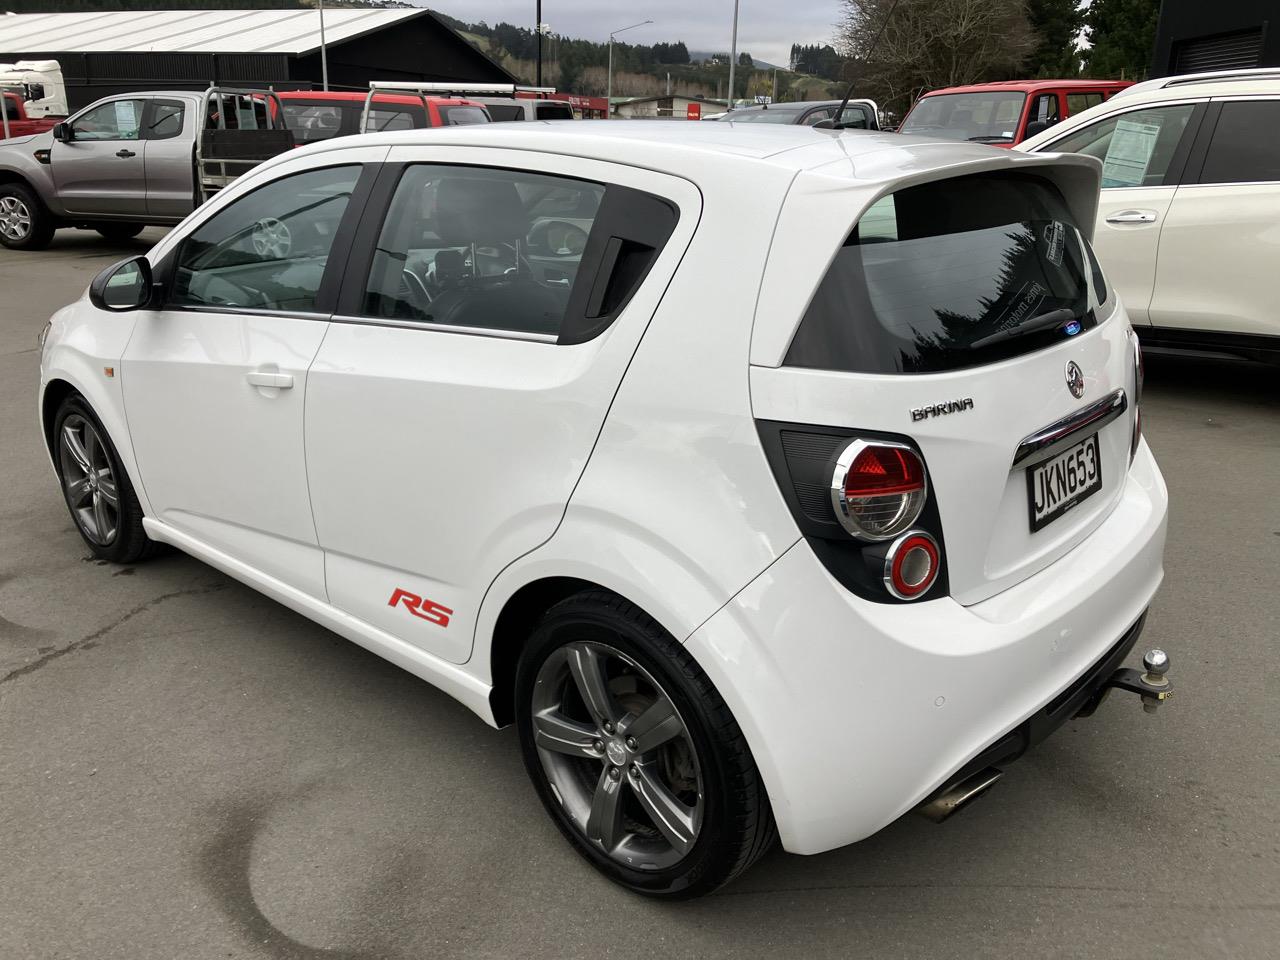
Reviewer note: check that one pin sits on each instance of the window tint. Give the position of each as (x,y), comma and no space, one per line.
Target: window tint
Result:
(1078,102)
(456,116)
(505,111)
(949,275)
(267,250)
(1135,148)
(472,247)
(165,121)
(1246,144)
(554,111)
(117,120)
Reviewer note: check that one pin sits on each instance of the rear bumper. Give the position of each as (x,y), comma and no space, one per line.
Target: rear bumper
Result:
(856,712)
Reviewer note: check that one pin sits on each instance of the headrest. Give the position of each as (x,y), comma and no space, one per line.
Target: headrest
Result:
(479,211)
(448,263)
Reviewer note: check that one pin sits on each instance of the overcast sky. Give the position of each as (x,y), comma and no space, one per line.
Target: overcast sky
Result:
(766,28)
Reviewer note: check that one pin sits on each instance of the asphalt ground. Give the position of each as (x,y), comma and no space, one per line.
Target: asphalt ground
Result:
(189,770)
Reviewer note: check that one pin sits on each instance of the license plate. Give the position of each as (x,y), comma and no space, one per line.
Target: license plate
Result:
(1057,485)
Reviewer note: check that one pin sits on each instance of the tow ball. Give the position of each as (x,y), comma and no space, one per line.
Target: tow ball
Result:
(1152,686)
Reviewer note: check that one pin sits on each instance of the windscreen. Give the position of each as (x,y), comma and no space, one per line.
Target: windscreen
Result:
(952,274)
(982,117)
(460,115)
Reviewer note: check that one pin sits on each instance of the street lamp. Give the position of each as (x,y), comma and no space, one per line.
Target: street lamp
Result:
(608,94)
(733,54)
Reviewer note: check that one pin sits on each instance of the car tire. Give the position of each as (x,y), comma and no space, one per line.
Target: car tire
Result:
(722,821)
(120,232)
(25,224)
(91,477)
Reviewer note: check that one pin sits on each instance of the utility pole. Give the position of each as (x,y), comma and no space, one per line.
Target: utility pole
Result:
(608,96)
(324,51)
(538,27)
(733,52)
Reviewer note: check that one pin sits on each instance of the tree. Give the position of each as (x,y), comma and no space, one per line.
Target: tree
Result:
(928,44)
(1056,24)
(1121,34)
(744,60)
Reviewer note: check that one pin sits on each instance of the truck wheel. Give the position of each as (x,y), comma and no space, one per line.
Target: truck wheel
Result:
(120,231)
(24,222)
(634,753)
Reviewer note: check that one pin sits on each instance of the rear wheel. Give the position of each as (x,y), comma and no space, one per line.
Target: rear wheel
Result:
(24,222)
(95,487)
(634,754)
(119,231)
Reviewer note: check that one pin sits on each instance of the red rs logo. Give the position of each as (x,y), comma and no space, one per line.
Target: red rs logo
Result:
(427,610)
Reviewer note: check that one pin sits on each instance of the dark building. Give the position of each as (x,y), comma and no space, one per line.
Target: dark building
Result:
(1193,36)
(116,52)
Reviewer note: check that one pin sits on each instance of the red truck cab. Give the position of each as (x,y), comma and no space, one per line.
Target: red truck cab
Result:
(315,115)
(17,121)
(1004,113)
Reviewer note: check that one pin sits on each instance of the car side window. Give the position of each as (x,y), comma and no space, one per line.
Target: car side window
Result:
(1135,148)
(1244,148)
(854,118)
(1079,102)
(1045,107)
(11,109)
(268,249)
(816,116)
(486,248)
(165,121)
(117,120)
(383,119)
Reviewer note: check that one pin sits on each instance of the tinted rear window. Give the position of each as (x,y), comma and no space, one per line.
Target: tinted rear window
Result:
(554,111)
(952,274)
(505,111)
(457,116)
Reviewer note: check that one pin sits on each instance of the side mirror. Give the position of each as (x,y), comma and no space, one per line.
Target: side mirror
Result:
(122,286)
(62,131)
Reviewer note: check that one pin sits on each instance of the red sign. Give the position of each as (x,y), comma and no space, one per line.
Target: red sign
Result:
(693,111)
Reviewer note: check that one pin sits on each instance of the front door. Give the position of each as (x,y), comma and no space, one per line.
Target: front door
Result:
(1142,153)
(102,169)
(214,382)
(484,326)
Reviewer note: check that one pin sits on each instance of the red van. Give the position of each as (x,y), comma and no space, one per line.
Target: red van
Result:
(315,115)
(1004,113)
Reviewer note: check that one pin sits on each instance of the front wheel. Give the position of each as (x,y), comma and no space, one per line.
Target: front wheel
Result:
(634,754)
(24,222)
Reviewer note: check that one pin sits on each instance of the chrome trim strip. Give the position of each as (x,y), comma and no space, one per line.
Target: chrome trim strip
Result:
(1057,436)
(448,328)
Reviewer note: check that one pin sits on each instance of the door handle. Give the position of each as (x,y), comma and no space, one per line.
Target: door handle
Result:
(281,381)
(1133,216)
(126,154)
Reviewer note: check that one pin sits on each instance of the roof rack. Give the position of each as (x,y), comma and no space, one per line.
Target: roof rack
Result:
(1211,76)
(436,89)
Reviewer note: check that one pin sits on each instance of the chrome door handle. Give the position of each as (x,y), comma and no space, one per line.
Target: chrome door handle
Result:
(1133,216)
(282,381)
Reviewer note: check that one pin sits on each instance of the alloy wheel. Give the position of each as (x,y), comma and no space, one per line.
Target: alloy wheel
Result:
(618,755)
(89,481)
(15,218)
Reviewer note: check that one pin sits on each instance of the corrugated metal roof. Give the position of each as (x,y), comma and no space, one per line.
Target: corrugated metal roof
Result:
(190,31)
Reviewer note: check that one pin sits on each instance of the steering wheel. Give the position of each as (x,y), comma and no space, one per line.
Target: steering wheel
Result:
(271,238)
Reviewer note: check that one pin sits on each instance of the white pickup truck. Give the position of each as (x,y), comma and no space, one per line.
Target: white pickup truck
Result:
(133,160)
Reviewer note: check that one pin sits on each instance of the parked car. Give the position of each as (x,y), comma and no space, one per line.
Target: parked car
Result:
(858,114)
(315,115)
(502,109)
(886,535)
(17,122)
(131,160)
(1004,113)
(1187,224)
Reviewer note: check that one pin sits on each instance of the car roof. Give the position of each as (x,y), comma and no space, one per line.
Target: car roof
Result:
(1031,86)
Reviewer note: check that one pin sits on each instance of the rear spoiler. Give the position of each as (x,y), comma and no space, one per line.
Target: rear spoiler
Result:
(433,89)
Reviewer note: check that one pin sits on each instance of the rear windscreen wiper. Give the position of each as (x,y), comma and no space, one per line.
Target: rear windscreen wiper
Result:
(1043,322)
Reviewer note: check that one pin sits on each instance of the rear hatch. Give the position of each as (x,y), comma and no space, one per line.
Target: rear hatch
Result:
(965,316)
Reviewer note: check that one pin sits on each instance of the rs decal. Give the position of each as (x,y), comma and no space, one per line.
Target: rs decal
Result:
(427,610)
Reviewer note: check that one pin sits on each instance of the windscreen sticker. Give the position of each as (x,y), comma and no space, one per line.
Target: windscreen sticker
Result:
(1055,239)
(1129,153)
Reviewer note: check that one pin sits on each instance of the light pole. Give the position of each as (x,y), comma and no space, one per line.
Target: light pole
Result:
(324,52)
(538,26)
(733,54)
(608,90)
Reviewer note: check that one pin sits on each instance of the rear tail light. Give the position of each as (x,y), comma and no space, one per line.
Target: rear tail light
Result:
(911,565)
(878,489)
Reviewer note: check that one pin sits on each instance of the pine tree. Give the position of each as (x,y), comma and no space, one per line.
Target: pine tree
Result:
(1122,34)
(1056,24)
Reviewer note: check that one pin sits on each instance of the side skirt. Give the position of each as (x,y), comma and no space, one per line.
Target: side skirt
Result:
(449,677)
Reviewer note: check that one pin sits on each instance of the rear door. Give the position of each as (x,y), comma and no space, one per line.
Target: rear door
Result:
(966,318)
(1143,152)
(1220,243)
(491,305)
(169,134)
(102,168)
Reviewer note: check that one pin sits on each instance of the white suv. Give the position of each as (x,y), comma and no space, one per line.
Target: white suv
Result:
(771,480)
(1190,205)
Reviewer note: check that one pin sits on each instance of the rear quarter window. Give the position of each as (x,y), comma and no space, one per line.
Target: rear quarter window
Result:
(952,274)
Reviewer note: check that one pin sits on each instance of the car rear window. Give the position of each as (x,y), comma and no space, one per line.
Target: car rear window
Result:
(554,111)
(952,274)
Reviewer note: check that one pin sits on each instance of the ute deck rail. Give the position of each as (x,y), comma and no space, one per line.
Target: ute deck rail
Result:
(224,153)
(438,89)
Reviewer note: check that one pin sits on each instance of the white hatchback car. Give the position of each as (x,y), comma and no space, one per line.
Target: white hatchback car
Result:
(773,481)
(1190,205)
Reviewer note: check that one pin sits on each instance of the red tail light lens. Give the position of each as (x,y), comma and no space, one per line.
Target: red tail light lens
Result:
(878,488)
(912,565)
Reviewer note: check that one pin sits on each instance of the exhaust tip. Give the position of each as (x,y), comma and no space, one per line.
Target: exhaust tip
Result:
(958,795)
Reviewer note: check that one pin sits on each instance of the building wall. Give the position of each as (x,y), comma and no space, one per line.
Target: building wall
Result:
(1187,20)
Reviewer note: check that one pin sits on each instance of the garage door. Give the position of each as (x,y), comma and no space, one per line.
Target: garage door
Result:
(1228,51)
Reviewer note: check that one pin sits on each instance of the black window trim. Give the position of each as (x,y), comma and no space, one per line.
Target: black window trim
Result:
(165,271)
(1200,152)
